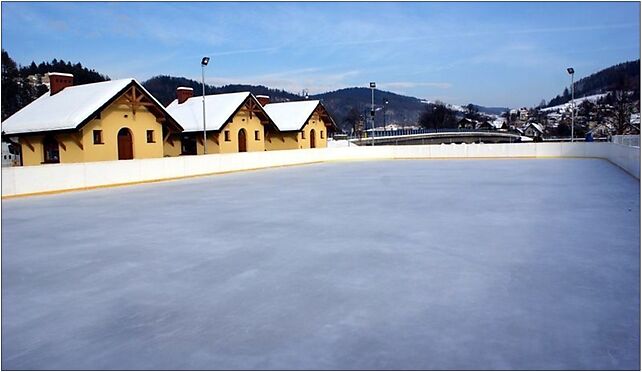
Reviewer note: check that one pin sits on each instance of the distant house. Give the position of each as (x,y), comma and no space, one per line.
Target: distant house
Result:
(485,125)
(466,123)
(111,120)
(601,129)
(523,114)
(533,130)
(300,124)
(500,124)
(235,122)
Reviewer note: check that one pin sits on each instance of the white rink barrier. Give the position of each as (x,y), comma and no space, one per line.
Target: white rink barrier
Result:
(63,177)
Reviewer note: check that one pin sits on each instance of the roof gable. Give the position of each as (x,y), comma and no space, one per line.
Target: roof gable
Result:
(73,107)
(219,109)
(292,116)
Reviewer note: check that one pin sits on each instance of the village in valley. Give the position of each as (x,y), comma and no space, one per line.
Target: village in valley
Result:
(320,186)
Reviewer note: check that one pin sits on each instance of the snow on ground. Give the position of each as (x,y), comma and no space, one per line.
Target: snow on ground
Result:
(339,143)
(417,264)
(567,106)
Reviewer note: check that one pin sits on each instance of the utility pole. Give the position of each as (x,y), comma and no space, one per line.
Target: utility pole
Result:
(571,71)
(385,105)
(204,63)
(372,111)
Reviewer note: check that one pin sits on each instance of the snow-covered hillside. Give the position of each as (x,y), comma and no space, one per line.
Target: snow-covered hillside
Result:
(567,106)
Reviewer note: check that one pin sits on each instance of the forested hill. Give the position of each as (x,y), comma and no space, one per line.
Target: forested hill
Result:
(400,108)
(624,76)
(164,89)
(18,91)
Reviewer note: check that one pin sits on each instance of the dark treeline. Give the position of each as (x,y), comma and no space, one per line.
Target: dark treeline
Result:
(623,76)
(350,104)
(164,89)
(18,91)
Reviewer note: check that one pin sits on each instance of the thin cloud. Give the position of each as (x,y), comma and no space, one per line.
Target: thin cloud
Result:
(410,84)
(311,79)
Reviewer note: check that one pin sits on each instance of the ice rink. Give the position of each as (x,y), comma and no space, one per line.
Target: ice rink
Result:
(416,264)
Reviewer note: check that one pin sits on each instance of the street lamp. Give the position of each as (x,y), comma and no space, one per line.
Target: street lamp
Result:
(385,105)
(372,110)
(204,63)
(571,72)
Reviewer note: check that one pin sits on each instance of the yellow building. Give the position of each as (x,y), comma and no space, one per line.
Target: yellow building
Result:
(301,125)
(111,120)
(235,122)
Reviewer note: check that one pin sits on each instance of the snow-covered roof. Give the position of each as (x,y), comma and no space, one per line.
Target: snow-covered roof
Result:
(66,109)
(60,74)
(290,116)
(499,123)
(218,110)
(536,126)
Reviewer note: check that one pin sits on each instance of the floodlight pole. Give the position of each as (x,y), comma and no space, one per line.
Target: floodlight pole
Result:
(373,85)
(572,107)
(571,72)
(204,63)
(385,105)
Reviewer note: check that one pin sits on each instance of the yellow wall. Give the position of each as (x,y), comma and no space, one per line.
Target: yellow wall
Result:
(172,147)
(319,126)
(111,121)
(282,141)
(295,140)
(242,120)
(30,156)
(216,140)
(213,146)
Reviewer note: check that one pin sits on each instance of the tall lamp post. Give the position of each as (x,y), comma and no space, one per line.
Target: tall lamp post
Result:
(204,63)
(571,72)
(385,105)
(372,111)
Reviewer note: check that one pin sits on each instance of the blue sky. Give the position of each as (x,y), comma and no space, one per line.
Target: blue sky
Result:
(492,54)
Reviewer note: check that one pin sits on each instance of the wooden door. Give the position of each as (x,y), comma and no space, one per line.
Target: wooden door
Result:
(312,139)
(125,145)
(242,141)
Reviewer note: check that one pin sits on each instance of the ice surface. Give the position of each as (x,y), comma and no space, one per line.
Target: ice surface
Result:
(418,264)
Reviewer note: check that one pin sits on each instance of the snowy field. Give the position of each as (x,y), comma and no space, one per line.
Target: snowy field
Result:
(418,264)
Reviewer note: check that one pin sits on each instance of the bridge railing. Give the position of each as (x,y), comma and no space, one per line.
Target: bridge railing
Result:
(407,132)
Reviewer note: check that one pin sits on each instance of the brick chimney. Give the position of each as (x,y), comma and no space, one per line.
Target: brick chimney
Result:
(184,93)
(263,100)
(59,81)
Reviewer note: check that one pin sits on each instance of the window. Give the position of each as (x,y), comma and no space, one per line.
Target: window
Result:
(51,151)
(150,136)
(98,137)
(227,136)
(256,135)
(302,134)
(321,134)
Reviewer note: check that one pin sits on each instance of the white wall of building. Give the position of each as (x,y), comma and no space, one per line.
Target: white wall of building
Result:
(61,177)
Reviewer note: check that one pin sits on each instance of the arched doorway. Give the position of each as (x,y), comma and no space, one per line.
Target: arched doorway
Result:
(312,139)
(51,150)
(242,140)
(125,144)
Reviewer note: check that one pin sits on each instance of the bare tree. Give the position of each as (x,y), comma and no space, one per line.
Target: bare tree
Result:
(622,109)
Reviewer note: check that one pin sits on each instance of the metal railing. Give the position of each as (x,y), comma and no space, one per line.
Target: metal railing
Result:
(627,140)
(408,132)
